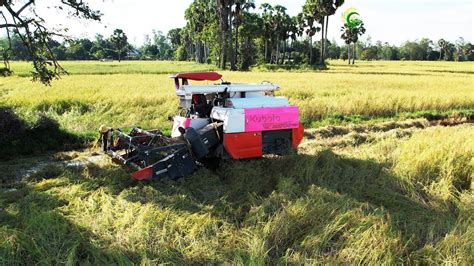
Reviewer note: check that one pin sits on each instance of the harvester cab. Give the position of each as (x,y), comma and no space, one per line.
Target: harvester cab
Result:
(223,120)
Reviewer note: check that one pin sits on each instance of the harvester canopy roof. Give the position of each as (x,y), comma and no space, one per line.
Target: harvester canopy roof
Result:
(198,76)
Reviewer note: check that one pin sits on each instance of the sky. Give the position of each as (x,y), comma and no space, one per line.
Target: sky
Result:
(393,21)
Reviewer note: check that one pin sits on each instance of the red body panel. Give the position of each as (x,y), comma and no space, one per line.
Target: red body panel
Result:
(244,145)
(249,144)
(199,76)
(298,134)
(144,174)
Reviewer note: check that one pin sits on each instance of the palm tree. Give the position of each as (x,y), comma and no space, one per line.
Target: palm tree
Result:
(120,41)
(241,6)
(267,16)
(307,20)
(331,9)
(320,10)
(442,47)
(224,10)
(280,26)
(351,36)
(346,36)
(312,13)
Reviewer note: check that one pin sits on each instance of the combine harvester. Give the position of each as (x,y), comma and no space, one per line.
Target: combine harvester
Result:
(221,121)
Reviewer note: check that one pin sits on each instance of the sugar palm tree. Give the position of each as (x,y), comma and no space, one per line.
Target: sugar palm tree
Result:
(442,46)
(351,35)
(224,11)
(331,8)
(320,11)
(267,16)
(241,6)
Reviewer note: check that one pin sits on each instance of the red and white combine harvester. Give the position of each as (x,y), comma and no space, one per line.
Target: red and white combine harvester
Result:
(225,120)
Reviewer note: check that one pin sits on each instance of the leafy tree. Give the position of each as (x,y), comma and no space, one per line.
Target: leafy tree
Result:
(412,51)
(293,31)
(250,30)
(370,53)
(416,50)
(282,25)
(447,50)
(149,50)
(78,49)
(162,45)
(201,31)
(388,52)
(119,41)
(15,49)
(468,51)
(59,50)
(463,50)
(313,12)
(20,18)
(329,8)
(174,37)
(333,50)
(101,48)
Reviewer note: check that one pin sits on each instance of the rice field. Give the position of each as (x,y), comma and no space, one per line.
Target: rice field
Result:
(123,98)
(377,179)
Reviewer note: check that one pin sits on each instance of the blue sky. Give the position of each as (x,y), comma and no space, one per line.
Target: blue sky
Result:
(393,21)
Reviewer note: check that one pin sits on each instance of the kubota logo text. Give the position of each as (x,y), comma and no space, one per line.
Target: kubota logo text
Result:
(270,118)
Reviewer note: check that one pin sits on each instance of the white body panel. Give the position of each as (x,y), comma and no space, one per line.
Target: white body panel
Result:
(234,119)
(259,102)
(179,121)
(189,90)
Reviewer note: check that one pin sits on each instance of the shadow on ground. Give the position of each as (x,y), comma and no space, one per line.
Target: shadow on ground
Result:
(235,189)
(18,137)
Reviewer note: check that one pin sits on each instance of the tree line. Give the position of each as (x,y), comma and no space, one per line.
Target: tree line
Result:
(171,46)
(238,34)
